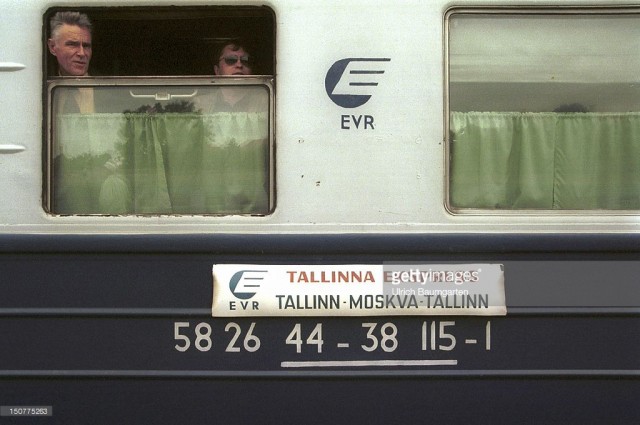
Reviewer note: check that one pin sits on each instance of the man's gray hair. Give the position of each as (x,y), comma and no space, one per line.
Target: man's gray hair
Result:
(68,18)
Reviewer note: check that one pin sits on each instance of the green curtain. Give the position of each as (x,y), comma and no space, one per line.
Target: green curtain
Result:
(168,163)
(508,160)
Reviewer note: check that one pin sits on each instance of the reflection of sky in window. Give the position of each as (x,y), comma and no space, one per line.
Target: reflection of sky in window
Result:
(544,48)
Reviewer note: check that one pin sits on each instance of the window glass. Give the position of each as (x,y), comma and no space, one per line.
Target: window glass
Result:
(165,148)
(544,109)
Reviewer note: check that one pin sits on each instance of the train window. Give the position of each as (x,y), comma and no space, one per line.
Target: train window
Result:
(544,109)
(163,125)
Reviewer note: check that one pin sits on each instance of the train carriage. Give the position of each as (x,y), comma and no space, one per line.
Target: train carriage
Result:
(293,243)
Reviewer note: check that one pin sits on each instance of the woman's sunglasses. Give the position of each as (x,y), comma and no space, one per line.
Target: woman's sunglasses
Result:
(233,59)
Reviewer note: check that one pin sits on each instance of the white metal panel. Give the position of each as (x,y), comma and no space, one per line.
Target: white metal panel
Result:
(329,178)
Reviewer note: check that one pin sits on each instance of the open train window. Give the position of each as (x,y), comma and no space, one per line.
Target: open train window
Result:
(544,109)
(171,111)
(163,41)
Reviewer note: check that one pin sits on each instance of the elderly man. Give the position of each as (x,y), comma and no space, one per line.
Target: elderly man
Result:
(70,43)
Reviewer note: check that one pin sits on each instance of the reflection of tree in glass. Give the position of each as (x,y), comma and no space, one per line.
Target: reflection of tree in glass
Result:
(172,107)
(79,183)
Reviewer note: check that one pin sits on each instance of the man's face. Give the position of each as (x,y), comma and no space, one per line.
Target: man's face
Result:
(233,62)
(72,48)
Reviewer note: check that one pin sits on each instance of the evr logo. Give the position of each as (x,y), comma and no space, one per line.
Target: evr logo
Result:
(350,82)
(245,283)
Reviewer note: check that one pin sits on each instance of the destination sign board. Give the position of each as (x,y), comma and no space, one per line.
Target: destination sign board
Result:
(245,290)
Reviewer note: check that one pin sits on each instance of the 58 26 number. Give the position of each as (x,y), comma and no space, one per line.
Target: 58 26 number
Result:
(202,341)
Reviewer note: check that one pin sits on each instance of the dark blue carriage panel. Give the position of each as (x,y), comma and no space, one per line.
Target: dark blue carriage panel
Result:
(127,337)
